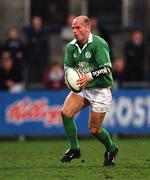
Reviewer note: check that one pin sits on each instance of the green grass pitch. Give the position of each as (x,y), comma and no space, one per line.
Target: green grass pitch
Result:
(40,160)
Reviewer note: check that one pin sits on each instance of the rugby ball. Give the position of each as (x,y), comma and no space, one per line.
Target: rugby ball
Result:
(71,77)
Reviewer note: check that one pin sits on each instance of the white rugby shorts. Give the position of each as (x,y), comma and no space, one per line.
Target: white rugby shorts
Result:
(100,99)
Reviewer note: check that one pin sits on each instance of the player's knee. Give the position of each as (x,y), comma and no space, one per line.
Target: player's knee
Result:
(66,113)
(94,131)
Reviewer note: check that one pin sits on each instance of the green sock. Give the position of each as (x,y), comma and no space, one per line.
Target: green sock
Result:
(71,131)
(105,139)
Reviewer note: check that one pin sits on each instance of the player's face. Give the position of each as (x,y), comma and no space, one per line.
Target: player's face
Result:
(80,31)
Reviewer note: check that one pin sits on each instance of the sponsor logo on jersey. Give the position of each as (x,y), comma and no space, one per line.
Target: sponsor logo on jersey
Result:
(88,55)
(85,67)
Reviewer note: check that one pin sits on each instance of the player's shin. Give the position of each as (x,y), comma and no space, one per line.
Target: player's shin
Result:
(105,139)
(71,131)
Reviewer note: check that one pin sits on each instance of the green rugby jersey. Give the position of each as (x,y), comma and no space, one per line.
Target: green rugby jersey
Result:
(93,56)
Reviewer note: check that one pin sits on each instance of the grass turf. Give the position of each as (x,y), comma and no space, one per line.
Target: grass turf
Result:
(40,160)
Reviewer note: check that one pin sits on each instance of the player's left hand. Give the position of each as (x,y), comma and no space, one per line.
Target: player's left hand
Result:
(84,80)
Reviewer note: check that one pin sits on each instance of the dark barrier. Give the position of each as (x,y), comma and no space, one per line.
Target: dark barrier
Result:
(38,113)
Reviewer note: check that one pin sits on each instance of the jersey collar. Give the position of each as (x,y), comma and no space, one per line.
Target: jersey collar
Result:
(74,42)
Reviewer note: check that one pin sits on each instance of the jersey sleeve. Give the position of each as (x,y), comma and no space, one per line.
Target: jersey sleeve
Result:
(68,59)
(102,55)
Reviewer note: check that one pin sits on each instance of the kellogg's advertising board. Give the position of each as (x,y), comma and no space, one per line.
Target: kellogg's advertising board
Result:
(34,113)
(38,113)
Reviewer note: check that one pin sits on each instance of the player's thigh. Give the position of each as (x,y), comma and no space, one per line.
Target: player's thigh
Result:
(96,121)
(73,104)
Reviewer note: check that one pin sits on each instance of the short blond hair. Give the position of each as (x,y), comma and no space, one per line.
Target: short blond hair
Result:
(84,19)
(87,21)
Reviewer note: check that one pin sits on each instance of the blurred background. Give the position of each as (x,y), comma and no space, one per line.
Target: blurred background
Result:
(33,36)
